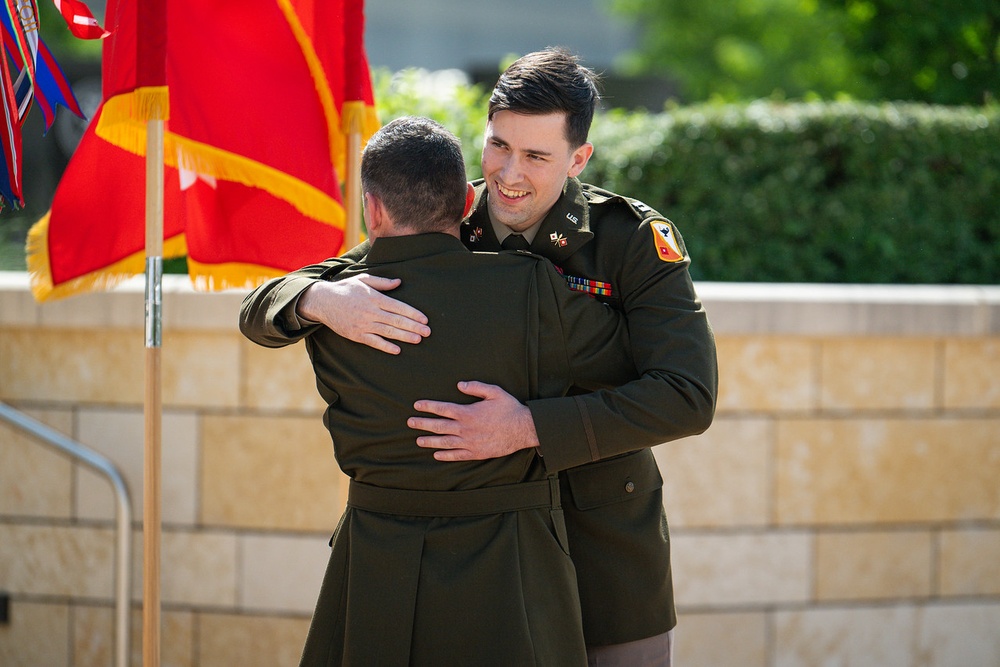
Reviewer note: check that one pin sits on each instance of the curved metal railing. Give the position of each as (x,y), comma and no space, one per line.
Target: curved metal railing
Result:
(96,461)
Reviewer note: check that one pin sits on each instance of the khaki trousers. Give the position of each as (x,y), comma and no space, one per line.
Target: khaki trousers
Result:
(650,652)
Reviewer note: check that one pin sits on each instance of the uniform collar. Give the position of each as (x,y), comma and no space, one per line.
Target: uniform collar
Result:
(401,248)
(566,228)
(477,230)
(502,231)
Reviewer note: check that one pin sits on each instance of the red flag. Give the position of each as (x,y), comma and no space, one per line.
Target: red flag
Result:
(344,65)
(256,94)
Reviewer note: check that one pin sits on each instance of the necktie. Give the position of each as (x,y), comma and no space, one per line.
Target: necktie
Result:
(515,242)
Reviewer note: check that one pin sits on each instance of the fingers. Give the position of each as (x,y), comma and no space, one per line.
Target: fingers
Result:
(379,283)
(380,336)
(449,448)
(402,327)
(432,425)
(449,411)
(402,310)
(454,455)
(391,332)
(481,389)
(381,344)
(388,318)
(390,305)
(439,442)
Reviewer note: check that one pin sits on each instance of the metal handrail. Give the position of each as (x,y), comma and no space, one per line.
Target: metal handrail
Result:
(123,574)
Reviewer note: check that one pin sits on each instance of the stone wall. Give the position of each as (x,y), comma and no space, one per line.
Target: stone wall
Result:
(844,508)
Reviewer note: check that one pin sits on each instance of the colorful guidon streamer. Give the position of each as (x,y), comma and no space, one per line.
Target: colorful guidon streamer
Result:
(29,73)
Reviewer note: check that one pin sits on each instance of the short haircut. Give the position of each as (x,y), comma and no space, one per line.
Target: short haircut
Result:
(550,81)
(414,166)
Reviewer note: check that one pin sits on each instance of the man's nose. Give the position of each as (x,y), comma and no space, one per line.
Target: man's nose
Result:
(511,169)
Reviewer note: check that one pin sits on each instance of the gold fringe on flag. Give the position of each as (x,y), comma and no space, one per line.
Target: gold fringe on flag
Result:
(368,121)
(139,105)
(40,268)
(229,275)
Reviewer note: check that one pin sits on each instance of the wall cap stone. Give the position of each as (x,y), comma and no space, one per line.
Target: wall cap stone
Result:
(733,308)
(851,310)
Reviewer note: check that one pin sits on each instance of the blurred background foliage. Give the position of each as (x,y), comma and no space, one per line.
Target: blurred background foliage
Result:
(837,192)
(853,141)
(444,96)
(935,51)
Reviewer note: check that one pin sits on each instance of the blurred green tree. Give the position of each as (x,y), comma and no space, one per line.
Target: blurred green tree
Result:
(938,51)
(744,49)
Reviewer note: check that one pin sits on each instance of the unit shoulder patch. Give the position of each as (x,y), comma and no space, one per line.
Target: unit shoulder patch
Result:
(668,247)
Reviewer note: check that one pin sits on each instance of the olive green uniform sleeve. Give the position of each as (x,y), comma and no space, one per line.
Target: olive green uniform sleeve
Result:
(267,315)
(673,349)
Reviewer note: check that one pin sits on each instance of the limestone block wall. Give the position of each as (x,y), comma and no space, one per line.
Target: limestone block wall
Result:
(844,508)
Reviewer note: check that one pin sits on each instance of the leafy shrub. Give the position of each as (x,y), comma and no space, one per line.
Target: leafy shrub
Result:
(817,192)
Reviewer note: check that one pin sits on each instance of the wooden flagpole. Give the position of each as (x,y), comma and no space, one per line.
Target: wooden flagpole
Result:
(153,399)
(352,184)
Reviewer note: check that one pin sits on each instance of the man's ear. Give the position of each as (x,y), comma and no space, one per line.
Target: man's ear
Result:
(470,198)
(580,158)
(374,212)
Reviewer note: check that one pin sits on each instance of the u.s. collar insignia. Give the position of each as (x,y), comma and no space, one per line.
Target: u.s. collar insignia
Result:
(558,240)
(476,235)
(667,246)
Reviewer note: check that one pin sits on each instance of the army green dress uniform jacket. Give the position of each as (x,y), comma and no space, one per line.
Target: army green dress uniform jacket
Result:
(439,563)
(627,255)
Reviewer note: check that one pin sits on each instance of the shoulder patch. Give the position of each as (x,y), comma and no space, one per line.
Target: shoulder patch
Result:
(667,247)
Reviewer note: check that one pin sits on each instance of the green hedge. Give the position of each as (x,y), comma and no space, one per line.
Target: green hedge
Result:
(817,192)
(837,192)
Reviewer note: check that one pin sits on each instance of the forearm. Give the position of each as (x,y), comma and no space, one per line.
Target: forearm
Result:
(656,408)
(268,314)
(314,304)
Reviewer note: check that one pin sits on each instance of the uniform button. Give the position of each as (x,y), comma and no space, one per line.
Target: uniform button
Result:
(629,487)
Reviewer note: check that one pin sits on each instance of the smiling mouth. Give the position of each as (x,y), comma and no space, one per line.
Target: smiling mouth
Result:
(511,194)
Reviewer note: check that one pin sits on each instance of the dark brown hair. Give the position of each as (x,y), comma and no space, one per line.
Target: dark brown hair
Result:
(550,81)
(414,166)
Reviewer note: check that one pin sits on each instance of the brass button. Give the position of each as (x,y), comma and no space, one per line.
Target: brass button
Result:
(629,487)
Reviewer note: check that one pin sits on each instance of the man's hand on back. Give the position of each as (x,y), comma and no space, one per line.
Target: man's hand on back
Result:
(496,426)
(356,309)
